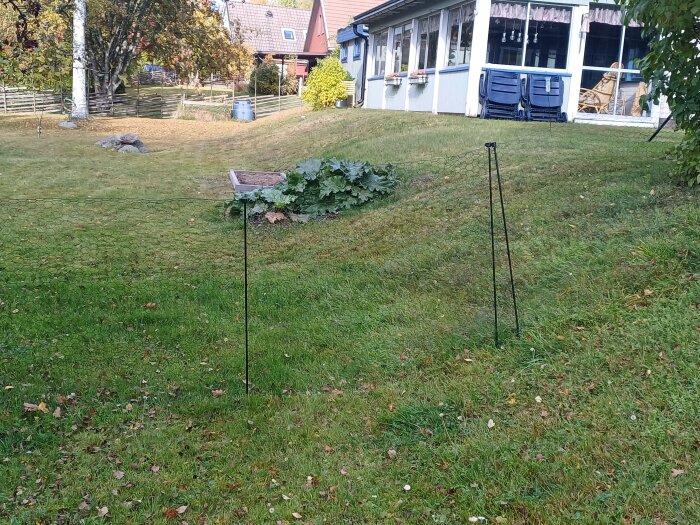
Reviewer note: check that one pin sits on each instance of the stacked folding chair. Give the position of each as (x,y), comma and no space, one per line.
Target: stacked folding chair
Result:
(542,98)
(499,93)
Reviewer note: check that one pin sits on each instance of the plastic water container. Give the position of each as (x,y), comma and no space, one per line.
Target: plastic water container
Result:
(242,110)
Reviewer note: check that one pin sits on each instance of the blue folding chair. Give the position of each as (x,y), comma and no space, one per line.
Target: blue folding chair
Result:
(499,94)
(542,98)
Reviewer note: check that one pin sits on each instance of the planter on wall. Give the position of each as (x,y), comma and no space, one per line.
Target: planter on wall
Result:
(392,81)
(419,80)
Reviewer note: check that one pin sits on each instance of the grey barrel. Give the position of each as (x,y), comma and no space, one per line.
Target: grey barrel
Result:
(243,110)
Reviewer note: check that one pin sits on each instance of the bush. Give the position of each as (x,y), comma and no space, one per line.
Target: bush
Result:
(268,76)
(318,187)
(324,86)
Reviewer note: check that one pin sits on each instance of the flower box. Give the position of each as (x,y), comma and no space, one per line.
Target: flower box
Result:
(392,80)
(421,79)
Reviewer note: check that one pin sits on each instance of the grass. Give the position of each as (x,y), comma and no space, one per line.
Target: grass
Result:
(371,332)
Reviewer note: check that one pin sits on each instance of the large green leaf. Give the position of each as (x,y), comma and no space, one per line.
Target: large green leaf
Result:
(309,168)
(334,184)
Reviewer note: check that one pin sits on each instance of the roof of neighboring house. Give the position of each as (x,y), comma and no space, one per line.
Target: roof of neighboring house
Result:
(339,13)
(263,26)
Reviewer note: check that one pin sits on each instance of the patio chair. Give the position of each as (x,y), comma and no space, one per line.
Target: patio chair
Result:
(542,98)
(600,97)
(499,94)
(642,89)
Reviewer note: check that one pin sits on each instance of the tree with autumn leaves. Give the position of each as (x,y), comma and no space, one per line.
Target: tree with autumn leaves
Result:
(185,35)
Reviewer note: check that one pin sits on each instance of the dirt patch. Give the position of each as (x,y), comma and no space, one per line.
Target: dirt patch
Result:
(422,181)
(259,178)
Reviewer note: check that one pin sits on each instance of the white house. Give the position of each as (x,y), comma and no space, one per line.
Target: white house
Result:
(430,55)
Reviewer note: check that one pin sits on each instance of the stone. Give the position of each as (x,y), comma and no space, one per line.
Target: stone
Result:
(140,145)
(67,124)
(128,138)
(128,148)
(113,141)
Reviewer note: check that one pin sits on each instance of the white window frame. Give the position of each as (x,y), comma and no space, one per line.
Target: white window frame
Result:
(427,47)
(292,31)
(459,34)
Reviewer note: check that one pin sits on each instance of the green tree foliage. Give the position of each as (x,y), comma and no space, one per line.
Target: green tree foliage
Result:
(267,74)
(35,53)
(324,86)
(673,68)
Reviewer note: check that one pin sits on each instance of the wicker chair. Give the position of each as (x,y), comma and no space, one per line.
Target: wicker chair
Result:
(600,97)
(642,89)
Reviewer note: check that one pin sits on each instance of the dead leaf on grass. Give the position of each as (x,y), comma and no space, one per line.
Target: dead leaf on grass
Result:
(677,472)
(118,474)
(274,217)
(102,512)
(218,393)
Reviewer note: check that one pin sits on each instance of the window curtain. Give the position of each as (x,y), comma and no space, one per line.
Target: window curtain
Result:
(466,14)
(609,16)
(538,13)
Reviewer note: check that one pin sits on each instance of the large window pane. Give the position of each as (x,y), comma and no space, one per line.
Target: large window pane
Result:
(603,38)
(507,24)
(380,42)
(548,36)
(429,29)
(461,28)
(634,47)
(402,48)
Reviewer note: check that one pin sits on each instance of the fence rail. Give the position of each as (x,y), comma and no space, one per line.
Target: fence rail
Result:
(149,106)
(16,100)
(263,105)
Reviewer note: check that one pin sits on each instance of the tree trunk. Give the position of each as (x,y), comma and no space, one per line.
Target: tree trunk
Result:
(80,105)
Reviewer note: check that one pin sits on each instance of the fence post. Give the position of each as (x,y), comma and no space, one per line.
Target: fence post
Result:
(34,100)
(138,94)
(4,97)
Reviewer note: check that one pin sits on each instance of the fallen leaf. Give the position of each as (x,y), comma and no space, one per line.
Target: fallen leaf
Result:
(118,474)
(391,453)
(218,393)
(426,432)
(181,509)
(538,399)
(30,407)
(648,292)
(102,512)
(328,449)
(296,515)
(84,506)
(9,387)
(539,457)
(151,306)
(155,469)
(274,216)
(170,513)
(344,472)
(544,413)
(677,472)
(58,413)
(491,423)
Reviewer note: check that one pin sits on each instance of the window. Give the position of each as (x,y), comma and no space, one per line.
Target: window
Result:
(610,64)
(529,34)
(429,30)
(289,34)
(402,47)
(357,49)
(461,28)
(344,52)
(380,41)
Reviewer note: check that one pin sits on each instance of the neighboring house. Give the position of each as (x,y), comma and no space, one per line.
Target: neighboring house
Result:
(271,30)
(454,42)
(327,18)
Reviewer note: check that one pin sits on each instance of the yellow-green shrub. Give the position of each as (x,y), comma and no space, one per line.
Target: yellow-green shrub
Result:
(324,86)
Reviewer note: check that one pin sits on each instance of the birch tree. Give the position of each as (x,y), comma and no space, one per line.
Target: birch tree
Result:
(79,100)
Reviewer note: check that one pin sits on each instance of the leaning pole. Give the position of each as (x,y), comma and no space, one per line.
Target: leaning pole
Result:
(79,105)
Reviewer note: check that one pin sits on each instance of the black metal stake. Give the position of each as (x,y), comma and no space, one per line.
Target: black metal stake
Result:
(245,288)
(493,250)
(505,229)
(493,159)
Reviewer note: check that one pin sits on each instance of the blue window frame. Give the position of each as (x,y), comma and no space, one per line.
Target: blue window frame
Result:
(357,49)
(344,52)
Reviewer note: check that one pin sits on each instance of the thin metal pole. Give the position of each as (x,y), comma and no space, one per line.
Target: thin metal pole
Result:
(245,289)
(505,229)
(493,250)
(660,128)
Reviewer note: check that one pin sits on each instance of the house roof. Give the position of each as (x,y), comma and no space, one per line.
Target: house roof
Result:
(263,26)
(391,8)
(339,13)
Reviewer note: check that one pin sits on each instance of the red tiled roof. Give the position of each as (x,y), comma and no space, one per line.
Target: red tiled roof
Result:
(339,13)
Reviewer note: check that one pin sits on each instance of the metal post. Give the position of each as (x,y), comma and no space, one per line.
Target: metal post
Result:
(211,87)
(245,289)
(493,250)
(505,229)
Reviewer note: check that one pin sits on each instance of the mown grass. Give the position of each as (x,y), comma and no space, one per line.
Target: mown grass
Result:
(371,332)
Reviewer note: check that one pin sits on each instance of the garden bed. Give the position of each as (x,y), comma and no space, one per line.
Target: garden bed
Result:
(243,180)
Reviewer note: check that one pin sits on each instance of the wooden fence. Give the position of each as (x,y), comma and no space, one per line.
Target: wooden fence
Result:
(19,100)
(263,106)
(148,106)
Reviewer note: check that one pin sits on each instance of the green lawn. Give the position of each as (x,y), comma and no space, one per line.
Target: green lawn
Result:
(369,333)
